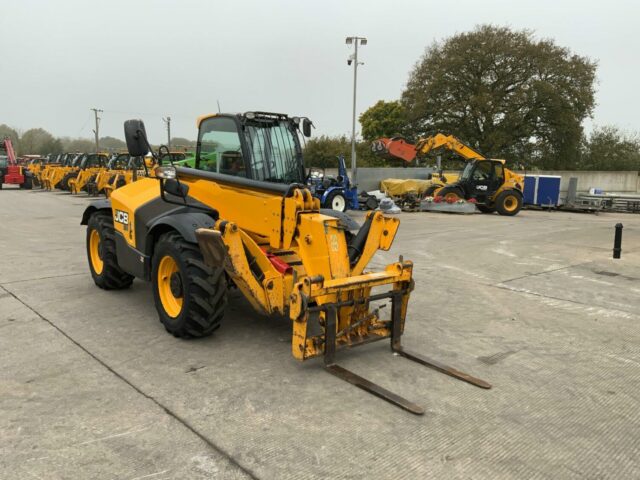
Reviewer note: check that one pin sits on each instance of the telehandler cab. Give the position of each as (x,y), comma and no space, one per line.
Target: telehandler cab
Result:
(242,218)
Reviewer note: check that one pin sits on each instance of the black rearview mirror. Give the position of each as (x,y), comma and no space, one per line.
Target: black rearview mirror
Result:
(306,127)
(136,137)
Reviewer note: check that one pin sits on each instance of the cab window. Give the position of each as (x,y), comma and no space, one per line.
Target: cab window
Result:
(220,147)
(483,171)
(498,170)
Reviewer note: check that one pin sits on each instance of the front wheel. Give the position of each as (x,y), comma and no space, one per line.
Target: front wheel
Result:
(336,201)
(508,203)
(189,295)
(102,256)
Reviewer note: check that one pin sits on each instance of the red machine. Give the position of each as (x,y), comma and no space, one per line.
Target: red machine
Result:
(10,172)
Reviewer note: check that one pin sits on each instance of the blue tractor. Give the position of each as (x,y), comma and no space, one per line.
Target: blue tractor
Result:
(336,193)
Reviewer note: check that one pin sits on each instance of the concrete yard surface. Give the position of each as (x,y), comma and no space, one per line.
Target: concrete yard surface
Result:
(92,386)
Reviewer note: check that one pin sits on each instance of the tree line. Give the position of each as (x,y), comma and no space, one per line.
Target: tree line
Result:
(505,94)
(38,141)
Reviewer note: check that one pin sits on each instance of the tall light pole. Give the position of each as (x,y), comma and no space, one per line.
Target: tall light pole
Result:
(96,132)
(168,122)
(353,59)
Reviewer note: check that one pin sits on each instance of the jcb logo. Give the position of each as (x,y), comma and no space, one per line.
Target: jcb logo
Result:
(121,217)
(481,187)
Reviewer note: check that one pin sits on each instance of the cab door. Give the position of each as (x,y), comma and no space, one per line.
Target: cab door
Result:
(486,179)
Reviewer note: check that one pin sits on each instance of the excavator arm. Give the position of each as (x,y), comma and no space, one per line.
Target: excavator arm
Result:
(398,147)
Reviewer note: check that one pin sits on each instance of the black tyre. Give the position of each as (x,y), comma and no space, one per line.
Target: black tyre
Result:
(101,253)
(509,203)
(28,182)
(431,190)
(336,201)
(485,209)
(190,296)
(371,203)
(64,183)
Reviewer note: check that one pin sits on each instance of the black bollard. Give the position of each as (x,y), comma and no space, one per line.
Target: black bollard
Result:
(617,241)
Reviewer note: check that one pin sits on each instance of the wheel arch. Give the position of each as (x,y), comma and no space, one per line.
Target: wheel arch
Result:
(328,192)
(184,224)
(509,189)
(103,204)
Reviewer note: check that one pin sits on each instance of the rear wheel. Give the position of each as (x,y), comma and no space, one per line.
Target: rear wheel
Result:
(451,193)
(190,296)
(336,201)
(101,253)
(508,203)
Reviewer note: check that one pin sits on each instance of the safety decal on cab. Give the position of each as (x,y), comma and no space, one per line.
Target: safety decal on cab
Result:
(121,217)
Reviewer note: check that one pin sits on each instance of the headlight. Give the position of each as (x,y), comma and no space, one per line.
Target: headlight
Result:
(166,173)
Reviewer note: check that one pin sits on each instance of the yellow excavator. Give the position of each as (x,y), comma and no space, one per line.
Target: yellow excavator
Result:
(494,187)
(194,232)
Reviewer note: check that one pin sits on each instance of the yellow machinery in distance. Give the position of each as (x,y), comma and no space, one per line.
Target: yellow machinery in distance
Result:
(486,180)
(194,233)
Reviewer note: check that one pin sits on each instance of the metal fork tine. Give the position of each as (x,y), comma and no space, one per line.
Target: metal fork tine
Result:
(441,367)
(396,346)
(374,389)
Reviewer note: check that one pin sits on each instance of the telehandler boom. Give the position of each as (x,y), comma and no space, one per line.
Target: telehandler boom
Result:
(194,233)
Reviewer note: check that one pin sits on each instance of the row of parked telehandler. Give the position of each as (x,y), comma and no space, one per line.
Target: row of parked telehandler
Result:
(93,173)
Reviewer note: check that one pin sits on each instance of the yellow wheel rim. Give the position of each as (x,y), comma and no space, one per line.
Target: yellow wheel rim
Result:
(510,203)
(449,195)
(94,252)
(170,299)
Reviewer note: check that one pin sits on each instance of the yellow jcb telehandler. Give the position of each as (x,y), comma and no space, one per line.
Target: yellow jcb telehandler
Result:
(136,168)
(90,167)
(194,233)
(50,163)
(487,180)
(115,163)
(57,175)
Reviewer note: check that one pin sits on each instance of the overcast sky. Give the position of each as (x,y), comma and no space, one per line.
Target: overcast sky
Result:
(152,58)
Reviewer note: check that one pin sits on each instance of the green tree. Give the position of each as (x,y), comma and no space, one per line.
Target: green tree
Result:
(78,144)
(183,142)
(608,148)
(384,119)
(112,143)
(322,152)
(7,131)
(39,141)
(505,93)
